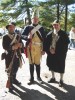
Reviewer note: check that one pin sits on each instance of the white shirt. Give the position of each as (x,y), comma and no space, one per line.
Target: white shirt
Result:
(72,35)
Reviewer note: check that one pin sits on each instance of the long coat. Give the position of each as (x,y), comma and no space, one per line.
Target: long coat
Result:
(56,62)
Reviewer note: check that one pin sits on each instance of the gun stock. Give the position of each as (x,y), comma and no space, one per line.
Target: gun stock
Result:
(8,84)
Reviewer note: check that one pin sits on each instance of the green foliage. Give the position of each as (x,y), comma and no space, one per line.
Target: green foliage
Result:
(15,9)
(72,20)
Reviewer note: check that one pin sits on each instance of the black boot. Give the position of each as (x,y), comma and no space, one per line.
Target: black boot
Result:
(11,88)
(38,73)
(15,81)
(31,74)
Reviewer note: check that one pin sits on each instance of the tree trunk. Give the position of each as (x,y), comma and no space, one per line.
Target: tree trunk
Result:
(28,13)
(58,9)
(66,9)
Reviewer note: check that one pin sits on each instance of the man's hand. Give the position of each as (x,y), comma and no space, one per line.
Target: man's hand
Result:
(43,52)
(19,45)
(52,50)
(16,46)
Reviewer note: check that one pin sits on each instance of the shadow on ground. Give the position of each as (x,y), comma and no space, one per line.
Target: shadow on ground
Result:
(59,93)
(31,94)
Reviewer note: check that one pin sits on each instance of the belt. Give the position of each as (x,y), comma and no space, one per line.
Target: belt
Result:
(37,43)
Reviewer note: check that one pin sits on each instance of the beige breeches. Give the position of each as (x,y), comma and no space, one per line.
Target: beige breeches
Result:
(34,54)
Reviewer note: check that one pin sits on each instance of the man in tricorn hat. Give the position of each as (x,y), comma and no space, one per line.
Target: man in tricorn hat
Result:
(12,45)
(35,34)
(56,46)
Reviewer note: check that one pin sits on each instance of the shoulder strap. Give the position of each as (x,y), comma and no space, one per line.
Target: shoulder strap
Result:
(39,35)
(35,29)
(13,38)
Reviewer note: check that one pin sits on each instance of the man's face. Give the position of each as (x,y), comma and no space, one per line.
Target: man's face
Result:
(56,26)
(35,20)
(73,30)
(11,29)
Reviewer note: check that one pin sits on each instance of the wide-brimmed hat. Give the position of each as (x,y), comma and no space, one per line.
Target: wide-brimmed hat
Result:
(55,22)
(12,23)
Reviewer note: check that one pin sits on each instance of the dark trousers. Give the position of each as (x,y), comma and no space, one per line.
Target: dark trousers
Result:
(15,67)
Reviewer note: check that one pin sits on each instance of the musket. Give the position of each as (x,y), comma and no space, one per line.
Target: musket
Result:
(9,71)
(21,55)
(23,59)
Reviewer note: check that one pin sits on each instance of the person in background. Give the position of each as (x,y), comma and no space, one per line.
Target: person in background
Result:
(12,45)
(34,34)
(56,46)
(72,38)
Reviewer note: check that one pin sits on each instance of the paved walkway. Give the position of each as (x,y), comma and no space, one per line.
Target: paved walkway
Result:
(46,91)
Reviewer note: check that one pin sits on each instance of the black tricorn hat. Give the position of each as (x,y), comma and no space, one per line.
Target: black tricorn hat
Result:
(12,23)
(55,22)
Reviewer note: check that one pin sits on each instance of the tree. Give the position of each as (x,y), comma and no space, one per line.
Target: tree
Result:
(15,9)
(49,11)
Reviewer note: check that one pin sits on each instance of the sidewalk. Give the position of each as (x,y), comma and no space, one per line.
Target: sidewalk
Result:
(45,91)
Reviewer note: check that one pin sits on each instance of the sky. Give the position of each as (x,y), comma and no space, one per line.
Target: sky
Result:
(72,7)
